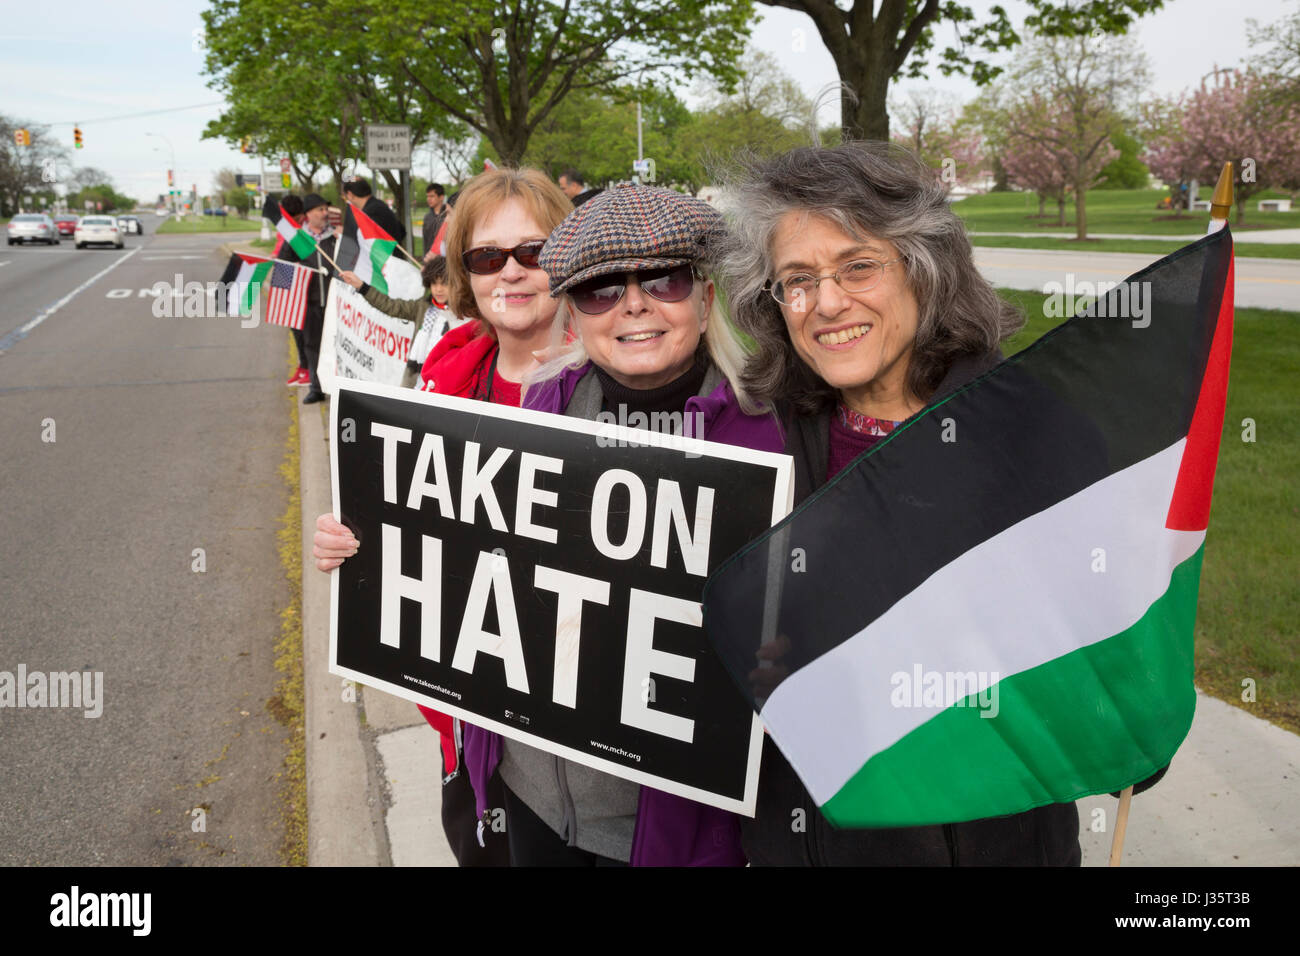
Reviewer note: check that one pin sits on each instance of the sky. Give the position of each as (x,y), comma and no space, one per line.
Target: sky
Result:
(101,64)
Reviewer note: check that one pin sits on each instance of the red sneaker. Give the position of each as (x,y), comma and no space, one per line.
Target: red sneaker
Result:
(300,377)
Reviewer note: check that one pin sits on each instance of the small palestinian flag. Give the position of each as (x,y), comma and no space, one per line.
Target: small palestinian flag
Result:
(247,273)
(992,608)
(376,247)
(289,229)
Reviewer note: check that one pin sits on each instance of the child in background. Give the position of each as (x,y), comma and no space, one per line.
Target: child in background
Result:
(432,315)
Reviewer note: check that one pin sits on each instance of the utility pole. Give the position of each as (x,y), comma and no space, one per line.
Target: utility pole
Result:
(640,154)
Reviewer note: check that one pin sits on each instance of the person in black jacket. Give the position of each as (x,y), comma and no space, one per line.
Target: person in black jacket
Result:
(856,282)
(316,221)
(357,191)
(434,195)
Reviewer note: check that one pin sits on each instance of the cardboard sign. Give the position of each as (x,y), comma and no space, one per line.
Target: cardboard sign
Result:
(357,340)
(540,576)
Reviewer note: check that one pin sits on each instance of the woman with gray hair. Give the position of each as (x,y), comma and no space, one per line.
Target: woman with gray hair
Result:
(856,282)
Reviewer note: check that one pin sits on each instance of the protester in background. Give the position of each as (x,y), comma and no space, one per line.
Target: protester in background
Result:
(292,205)
(439,247)
(316,221)
(357,192)
(502,219)
(432,316)
(433,194)
(854,278)
(571,182)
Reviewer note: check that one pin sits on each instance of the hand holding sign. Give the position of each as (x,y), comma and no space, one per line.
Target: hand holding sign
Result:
(332,542)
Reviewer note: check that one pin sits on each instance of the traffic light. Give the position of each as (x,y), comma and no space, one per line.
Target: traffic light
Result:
(23,137)
(245,145)
(170,179)
(76,137)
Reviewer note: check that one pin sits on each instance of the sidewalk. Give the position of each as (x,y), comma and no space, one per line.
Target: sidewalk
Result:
(1246,235)
(1231,797)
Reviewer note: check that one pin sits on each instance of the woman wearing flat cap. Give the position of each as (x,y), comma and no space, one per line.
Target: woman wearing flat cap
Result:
(628,268)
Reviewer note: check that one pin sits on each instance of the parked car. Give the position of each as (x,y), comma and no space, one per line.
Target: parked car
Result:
(32,227)
(67,223)
(98,230)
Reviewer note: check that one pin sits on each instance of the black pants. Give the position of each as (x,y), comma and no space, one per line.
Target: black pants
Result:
(302,348)
(789,830)
(460,822)
(312,327)
(533,843)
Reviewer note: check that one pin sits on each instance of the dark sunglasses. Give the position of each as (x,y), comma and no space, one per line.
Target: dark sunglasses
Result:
(604,292)
(486,260)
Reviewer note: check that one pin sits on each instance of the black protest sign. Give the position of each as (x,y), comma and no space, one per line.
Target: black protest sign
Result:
(541,576)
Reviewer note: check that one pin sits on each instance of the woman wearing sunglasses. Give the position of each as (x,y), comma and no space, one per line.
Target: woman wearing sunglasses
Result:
(648,336)
(502,220)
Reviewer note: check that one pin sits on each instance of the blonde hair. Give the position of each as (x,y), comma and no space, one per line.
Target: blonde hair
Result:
(540,197)
(719,338)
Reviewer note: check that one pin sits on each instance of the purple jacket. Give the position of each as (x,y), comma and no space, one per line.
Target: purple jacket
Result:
(670,830)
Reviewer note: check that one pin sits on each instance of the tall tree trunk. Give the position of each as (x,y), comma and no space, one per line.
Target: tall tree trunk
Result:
(1080,210)
(1042,204)
(868,78)
(1060,209)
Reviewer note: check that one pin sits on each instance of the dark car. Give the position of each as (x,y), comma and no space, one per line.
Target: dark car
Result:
(67,224)
(131,225)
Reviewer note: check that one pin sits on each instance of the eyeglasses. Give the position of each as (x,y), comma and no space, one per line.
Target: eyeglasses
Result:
(856,276)
(604,292)
(486,260)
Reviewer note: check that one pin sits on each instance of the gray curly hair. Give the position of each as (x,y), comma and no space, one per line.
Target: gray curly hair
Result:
(876,190)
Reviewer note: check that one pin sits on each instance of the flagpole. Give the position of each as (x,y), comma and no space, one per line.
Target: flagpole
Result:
(1121,824)
(1221,202)
(417,262)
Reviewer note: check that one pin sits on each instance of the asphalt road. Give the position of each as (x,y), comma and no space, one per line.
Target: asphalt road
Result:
(168,434)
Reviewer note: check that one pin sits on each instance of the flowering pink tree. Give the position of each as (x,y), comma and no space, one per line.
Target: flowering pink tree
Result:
(1072,96)
(952,146)
(1239,119)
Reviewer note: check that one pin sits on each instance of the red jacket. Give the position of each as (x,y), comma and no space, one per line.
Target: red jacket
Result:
(460,364)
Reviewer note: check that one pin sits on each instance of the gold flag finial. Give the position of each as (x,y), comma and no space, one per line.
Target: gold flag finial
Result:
(1221,203)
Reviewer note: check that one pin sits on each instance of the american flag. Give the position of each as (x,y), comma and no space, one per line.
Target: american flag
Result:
(286,303)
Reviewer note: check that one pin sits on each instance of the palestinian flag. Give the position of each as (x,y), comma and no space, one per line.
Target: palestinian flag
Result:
(289,228)
(247,273)
(375,247)
(992,608)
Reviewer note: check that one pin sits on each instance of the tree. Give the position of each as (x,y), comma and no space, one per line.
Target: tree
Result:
(873,44)
(25,170)
(1125,171)
(1242,118)
(1073,95)
(1280,56)
(286,101)
(949,143)
(502,66)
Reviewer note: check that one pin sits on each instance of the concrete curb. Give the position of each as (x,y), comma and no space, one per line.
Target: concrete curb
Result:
(344,826)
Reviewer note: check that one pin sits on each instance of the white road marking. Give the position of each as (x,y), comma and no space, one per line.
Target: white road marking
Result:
(157,258)
(20,333)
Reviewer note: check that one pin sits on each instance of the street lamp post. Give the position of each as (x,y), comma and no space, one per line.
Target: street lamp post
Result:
(171,199)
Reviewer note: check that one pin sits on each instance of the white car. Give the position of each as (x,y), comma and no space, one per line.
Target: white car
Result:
(97,230)
(32,227)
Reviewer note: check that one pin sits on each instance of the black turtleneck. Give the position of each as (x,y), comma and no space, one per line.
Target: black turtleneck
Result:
(666,398)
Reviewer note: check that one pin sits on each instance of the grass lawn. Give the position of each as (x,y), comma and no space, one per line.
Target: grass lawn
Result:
(1109,210)
(1155,247)
(211,224)
(1248,621)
